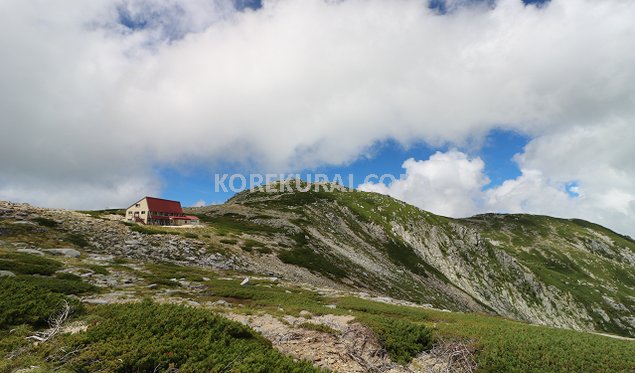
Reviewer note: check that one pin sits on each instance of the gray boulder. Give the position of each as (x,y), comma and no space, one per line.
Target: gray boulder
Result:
(7,274)
(70,253)
(24,222)
(30,251)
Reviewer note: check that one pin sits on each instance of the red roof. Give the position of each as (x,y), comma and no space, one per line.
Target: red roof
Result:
(164,205)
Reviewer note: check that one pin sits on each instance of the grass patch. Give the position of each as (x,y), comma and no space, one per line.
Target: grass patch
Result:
(100,270)
(402,339)
(45,222)
(235,223)
(27,302)
(103,213)
(78,240)
(309,259)
(20,263)
(63,283)
(318,328)
(169,271)
(147,230)
(249,245)
(144,336)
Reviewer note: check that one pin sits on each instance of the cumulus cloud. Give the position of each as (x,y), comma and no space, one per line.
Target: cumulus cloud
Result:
(447,184)
(199,203)
(597,160)
(569,185)
(95,94)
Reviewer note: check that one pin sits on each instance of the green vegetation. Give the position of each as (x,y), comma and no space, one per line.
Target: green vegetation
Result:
(249,245)
(144,336)
(264,250)
(318,328)
(77,240)
(168,271)
(307,258)
(28,264)
(103,213)
(190,235)
(27,302)
(402,339)
(550,248)
(231,223)
(62,283)
(151,229)
(519,255)
(157,229)
(45,222)
(399,329)
(101,270)
(508,346)
(502,345)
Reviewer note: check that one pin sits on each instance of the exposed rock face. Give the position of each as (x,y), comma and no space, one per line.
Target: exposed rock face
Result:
(67,252)
(564,273)
(30,251)
(543,270)
(112,237)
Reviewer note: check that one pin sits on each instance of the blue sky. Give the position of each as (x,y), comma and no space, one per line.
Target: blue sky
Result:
(194,183)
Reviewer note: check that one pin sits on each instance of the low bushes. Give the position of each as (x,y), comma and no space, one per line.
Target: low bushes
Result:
(45,222)
(64,283)
(22,302)
(28,264)
(304,256)
(402,339)
(146,336)
(77,239)
(190,235)
(318,328)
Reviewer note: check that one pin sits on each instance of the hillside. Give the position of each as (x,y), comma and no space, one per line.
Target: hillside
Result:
(346,281)
(565,273)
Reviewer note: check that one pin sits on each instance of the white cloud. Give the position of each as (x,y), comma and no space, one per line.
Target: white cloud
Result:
(599,160)
(89,108)
(451,183)
(199,203)
(447,184)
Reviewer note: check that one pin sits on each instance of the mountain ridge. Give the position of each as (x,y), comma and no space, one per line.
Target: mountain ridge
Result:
(314,274)
(514,265)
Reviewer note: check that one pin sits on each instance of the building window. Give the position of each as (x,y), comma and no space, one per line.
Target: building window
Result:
(137,205)
(143,212)
(129,212)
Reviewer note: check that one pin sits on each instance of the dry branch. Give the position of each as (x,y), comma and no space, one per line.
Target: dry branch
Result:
(56,321)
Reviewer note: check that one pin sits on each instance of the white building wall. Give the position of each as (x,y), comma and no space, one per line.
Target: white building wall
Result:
(139,209)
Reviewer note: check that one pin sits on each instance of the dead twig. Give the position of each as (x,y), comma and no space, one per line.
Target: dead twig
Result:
(454,356)
(56,321)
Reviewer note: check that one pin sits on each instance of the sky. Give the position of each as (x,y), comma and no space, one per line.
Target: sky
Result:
(475,106)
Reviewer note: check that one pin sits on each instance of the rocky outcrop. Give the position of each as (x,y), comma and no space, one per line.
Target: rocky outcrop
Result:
(541,270)
(109,236)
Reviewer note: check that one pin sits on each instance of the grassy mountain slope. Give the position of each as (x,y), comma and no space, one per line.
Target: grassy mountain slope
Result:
(565,273)
(521,267)
(177,318)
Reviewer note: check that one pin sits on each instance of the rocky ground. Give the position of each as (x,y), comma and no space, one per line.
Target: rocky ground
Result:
(344,344)
(209,267)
